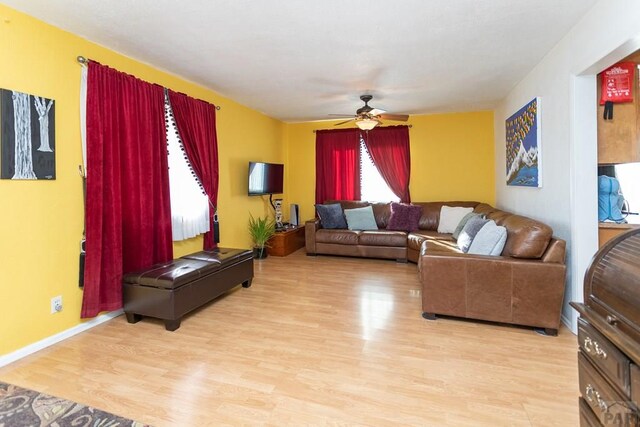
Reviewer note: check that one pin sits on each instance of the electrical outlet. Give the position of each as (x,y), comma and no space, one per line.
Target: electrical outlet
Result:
(56,304)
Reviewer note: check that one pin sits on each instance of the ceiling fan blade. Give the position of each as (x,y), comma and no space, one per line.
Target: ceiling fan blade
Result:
(341,123)
(377,111)
(341,115)
(398,117)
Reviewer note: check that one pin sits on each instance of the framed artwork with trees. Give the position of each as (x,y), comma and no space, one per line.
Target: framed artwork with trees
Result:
(27,136)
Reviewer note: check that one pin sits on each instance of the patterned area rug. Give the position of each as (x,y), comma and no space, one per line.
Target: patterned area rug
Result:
(22,407)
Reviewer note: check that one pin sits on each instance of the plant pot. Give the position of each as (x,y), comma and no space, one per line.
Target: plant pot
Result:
(260,253)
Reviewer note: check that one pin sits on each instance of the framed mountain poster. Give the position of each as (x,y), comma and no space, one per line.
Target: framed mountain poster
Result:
(523,146)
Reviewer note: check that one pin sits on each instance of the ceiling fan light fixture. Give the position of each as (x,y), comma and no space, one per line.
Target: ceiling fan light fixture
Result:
(367,123)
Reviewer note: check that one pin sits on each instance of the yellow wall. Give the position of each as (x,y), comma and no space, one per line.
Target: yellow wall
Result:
(452,158)
(41,221)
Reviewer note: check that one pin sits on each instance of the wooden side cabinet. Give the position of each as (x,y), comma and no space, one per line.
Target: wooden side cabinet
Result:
(609,230)
(619,139)
(286,242)
(609,335)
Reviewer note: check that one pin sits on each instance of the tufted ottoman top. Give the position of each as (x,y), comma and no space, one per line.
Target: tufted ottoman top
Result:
(172,274)
(224,256)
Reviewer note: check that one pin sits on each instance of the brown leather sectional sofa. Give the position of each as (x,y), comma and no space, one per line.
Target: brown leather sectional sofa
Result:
(524,286)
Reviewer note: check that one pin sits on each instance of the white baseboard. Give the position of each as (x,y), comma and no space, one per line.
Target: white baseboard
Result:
(49,341)
(568,323)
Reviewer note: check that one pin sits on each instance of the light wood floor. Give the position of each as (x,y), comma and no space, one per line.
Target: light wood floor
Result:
(315,341)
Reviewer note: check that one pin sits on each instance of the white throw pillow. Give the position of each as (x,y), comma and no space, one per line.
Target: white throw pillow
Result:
(450,217)
(490,240)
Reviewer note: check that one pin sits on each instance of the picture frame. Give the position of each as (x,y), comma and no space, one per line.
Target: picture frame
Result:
(523,143)
(27,136)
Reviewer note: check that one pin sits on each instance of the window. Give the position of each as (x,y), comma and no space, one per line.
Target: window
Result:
(189,204)
(374,167)
(373,187)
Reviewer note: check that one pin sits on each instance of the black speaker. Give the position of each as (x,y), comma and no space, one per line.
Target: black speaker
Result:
(294,217)
(81,264)
(216,228)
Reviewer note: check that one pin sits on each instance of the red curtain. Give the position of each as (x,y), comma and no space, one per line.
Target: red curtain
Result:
(389,150)
(196,123)
(337,165)
(128,213)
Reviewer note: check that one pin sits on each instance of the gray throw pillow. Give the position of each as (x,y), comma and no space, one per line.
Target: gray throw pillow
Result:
(462,223)
(469,231)
(490,240)
(361,218)
(331,216)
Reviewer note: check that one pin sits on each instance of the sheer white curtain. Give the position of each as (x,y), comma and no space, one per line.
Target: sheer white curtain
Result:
(189,205)
(373,187)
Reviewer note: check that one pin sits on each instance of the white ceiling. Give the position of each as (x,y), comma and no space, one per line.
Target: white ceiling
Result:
(300,60)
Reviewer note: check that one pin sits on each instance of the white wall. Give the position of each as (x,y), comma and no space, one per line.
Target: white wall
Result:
(565,82)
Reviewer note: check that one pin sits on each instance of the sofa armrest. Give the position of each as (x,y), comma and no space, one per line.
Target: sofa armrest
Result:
(310,228)
(499,289)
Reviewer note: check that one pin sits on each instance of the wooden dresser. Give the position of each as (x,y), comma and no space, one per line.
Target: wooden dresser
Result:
(287,241)
(609,335)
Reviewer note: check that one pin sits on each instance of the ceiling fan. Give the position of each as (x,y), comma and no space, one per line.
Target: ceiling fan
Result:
(367,117)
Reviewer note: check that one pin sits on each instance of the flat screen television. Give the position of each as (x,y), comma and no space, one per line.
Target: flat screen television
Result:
(265,178)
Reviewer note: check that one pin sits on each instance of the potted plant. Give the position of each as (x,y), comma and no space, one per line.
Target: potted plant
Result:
(261,230)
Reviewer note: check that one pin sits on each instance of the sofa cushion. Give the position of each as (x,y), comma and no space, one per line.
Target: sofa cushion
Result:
(462,223)
(415,239)
(450,217)
(435,245)
(484,209)
(490,240)
(526,238)
(382,213)
(361,219)
(469,232)
(331,216)
(383,238)
(404,217)
(431,212)
(340,237)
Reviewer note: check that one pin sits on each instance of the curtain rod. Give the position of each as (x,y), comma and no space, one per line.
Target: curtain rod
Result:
(85,61)
(316,130)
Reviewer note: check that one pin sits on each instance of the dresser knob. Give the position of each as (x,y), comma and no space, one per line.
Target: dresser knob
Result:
(612,320)
(601,403)
(588,392)
(599,351)
(588,345)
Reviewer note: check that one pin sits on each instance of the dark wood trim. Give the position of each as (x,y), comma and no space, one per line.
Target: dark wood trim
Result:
(630,347)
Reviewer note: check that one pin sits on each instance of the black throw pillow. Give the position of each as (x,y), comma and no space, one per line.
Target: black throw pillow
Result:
(331,216)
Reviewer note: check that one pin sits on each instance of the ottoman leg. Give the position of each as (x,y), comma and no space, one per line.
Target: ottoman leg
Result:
(247,283)
(429,316)
(172,325)
(133,318)
(548,332)
(551,332)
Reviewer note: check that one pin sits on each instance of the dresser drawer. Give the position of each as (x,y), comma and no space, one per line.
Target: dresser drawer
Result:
(611,361)
(587,417)
(607,404)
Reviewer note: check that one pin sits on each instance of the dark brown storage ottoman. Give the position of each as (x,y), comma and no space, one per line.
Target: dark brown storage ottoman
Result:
(170,290)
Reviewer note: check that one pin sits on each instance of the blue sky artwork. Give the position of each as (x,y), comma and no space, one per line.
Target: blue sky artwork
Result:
(522,146)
